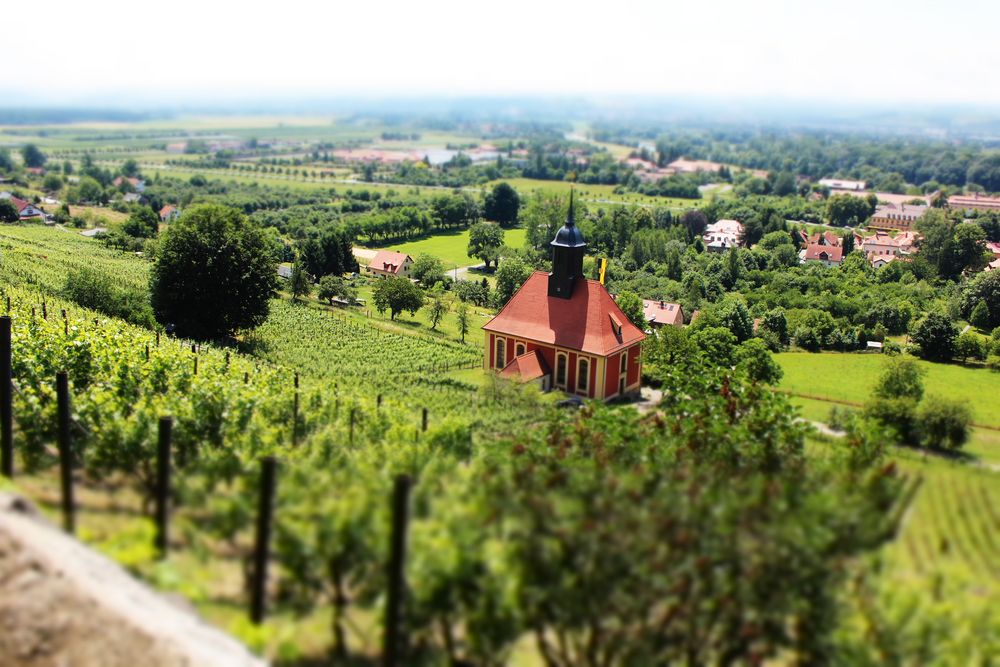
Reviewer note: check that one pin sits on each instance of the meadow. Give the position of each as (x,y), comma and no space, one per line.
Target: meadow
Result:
(451,246)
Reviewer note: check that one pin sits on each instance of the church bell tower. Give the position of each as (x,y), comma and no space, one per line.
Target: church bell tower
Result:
(568,248)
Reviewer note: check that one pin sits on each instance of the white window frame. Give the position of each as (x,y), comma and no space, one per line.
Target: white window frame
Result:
(565,359)
(518,345)
(584,376)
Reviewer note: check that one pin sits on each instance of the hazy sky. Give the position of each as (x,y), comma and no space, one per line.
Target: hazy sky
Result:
(848,51)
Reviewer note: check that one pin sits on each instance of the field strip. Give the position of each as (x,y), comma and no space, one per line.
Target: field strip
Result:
(854,404)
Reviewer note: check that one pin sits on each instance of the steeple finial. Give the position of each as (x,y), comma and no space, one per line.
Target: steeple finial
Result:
(570,221)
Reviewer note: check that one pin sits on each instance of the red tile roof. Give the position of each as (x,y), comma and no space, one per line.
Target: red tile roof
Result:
(661,312)
(167,210)
(387,260)
(582,322)
(19,204)
(834,253)
(528,366)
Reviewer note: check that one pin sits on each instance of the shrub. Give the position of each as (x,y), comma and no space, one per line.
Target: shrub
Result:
(944,423)
(92,289)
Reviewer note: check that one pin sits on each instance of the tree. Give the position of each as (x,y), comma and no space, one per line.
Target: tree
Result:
(717,345)
(980,316)
(6,163)
(298,282)
(142,223)
(130,169)
(970,345)
(8,212)
(397,295)
(329,254)
(757,362)
(847,210)
(90,191)
(631,305)
(485,241)
(775,321)
(900,378)
(732,314)
(333,287)
(32,156)
(936,336)
(462,317)
(427,269)
(215,273)
(969,247)
(52,183)
(439,308)
(510,276)
(944,422)
(471,291)
(502,204)
(984,289)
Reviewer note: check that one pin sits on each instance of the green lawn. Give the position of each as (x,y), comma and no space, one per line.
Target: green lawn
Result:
(598,194)
(451,247)
(851,377)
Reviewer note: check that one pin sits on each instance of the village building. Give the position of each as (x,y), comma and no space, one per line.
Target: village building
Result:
(722,235)
(820,238)
(828,255)
(387,264)
(661,313)
(881,245)
(975,201)
(563,331)
(169,213)
(26,210)
(902,217)
(136,184)
(843,184)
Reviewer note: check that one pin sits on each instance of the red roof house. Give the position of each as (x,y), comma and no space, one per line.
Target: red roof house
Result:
(387,263)
(168,213)
(580,340)
(659,313)
(26,210)
(827,254)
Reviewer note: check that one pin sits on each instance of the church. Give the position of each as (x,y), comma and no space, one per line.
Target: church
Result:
(563,331)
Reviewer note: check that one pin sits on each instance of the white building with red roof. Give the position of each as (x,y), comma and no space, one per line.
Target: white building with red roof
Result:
(828,255)
(169,213)
(662,313)
(26,210)
(565,331)
(387,263)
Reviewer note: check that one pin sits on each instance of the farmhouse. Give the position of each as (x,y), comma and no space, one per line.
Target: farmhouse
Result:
(828,255)
(563,331)
(26,210)
(136,184)
(660,313)
(169,213)
(722,235)
(387,263)
(901,217)
(817,238)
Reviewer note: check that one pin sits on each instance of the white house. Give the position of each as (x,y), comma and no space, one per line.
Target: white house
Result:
(722,235)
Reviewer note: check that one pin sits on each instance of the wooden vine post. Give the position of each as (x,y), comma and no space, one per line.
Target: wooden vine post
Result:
(6,400)
(163,487)
(394,652)
(262,543)
(65,452)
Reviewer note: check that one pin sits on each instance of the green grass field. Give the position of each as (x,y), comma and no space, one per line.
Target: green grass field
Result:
(451,247)
(851,378)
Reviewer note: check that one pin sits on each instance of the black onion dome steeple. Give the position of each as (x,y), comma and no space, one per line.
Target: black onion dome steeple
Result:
(568,248)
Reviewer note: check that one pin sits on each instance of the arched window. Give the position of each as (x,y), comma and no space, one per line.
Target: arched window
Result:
(560,369)
(518,349)
(624,362)
(501,353)
(582,375)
